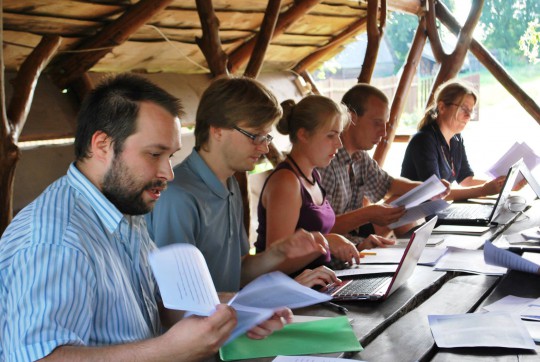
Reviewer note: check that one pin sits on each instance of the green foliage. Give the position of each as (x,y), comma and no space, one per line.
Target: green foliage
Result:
(400,30)
(529,42)
(504,22)
(330,66)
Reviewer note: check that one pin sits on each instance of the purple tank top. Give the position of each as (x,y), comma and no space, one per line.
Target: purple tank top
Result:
(312,217)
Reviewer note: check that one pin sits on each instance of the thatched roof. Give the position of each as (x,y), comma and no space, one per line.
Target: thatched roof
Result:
(167,41)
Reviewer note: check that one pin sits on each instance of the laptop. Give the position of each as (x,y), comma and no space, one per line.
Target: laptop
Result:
(483,214)
(380,286)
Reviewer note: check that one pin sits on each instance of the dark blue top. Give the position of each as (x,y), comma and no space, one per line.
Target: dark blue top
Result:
(312,217)
(428,154)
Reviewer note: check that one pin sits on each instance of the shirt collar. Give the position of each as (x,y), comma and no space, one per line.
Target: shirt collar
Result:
(109,215)
(346,159)
(343,156)
(200,167)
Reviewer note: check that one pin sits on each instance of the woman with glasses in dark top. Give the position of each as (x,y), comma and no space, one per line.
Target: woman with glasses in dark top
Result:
(438,146)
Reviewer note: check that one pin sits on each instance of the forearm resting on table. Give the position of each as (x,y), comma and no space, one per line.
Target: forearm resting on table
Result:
(351,220)
(270,260)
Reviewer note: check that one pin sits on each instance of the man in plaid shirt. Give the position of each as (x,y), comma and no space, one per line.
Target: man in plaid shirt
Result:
(353,175)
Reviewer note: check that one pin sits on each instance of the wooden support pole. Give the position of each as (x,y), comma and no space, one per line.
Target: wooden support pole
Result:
(409,71)
(210,43)
(263,38)
(336,41)
(26,80)
(453,62)
(14,119)
(375,32)
(309,79)
(433,34)
(494,67)
(239,56)
(75,65)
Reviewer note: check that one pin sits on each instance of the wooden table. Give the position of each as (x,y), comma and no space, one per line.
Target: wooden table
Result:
(397,329)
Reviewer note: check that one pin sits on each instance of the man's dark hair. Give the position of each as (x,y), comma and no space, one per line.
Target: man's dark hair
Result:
(113,107)
(355,98)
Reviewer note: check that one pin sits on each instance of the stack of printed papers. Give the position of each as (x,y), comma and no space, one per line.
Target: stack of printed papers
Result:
(470,261)
(185,284)
(494,329)
(416,204)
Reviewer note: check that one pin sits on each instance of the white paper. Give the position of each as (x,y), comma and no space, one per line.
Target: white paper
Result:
(500,257)
(417,212)
(470,261)
(534,257)
(393,256)
(526,308)
(468,242)
(184,280)
(494,329)
(310,359)
(423,192)
(366,269)
(517,151)
(460,229)
(432,241)
(185,284)
(534,330)
(531,234)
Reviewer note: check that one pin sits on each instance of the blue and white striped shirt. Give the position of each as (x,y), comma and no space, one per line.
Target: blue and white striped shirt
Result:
(74,271)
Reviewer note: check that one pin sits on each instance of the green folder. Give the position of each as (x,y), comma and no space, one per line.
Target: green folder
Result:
(322,336)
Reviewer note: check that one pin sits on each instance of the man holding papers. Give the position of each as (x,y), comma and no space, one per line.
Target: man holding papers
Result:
(74,273)
(353,175)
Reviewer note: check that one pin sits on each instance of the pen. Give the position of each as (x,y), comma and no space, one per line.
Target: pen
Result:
(337,307)
(368,253)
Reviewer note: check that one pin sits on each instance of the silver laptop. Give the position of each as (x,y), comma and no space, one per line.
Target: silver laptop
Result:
(482,214)
(380,286)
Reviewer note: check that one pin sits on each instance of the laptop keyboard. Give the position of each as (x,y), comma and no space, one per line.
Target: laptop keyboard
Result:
(361,286)
(468,212)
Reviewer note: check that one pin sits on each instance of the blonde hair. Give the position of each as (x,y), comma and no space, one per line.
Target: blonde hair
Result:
(450,92)
(311,113)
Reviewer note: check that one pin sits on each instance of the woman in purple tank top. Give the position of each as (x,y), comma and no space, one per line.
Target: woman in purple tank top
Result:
(292,197)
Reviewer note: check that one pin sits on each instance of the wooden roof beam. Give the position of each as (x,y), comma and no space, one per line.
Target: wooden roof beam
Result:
(398,103)
(495,68)
(210,43)
(75,65)
(336,41)
(414,7)
(263,38)
(239,56)
(453,62)
(375,33)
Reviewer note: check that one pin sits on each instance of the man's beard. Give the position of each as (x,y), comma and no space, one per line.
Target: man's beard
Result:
(120,188)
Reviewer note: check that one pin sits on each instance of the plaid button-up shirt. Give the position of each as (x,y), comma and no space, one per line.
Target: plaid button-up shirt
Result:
(349,178)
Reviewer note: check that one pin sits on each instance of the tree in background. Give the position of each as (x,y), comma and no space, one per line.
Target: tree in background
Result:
(503,23)
(400,29)
(529,42)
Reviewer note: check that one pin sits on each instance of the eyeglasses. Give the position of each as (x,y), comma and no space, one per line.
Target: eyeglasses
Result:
(257,139)
(471,113)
